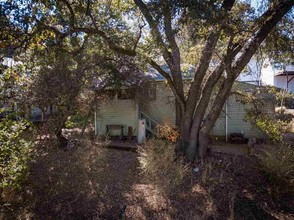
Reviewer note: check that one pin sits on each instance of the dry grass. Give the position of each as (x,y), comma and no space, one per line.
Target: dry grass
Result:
(277,161)
(91,182)
(159,164)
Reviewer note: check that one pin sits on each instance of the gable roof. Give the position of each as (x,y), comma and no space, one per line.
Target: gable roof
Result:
(285,73)
(187,72)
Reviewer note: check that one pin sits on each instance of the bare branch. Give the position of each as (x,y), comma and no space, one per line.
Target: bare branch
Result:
(71,11)
(139,36)
(271,17)
(206,56)
(145,11)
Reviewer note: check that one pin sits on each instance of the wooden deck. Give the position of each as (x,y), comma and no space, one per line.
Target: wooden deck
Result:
(131,145)
(128,145)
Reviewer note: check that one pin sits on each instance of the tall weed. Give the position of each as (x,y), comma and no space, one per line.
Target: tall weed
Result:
(278,164)
(159,164)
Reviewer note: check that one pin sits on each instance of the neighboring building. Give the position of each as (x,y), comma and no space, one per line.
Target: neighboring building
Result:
(10,62)
(269,73)
(37,115)
(252,74)
(284,78)
(121,115)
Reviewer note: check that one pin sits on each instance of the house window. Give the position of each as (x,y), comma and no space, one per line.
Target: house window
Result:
(126,94)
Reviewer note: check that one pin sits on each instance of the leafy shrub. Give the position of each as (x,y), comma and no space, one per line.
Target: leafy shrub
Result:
(75,121)
(282,97)
(168,132)
(159,164)
(265,123)
(278,164)
(14,152)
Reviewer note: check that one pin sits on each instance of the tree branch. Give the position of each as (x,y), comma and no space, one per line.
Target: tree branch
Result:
(71,11)
(206,56)
(154,28)
(88,30)
(169,81)
(271,17)
(270,20)
(138,37)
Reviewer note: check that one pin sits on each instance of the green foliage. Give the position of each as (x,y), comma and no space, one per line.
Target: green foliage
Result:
(14,152)
(265,123)
(278,164)
(255,115)
(282,97)
(75,121)
(159,164)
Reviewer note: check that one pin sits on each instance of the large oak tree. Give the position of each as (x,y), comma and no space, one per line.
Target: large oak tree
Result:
(232,34)
(224,35)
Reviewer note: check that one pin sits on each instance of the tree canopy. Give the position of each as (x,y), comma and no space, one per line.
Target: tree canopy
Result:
(218,37)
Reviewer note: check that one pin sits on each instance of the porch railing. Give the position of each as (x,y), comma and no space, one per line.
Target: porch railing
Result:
(150,123)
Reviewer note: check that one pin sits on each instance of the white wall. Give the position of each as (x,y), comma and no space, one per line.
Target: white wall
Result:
(267,74)
(251,74)
(281,82)
(162,109)
(289,68)
(122,112)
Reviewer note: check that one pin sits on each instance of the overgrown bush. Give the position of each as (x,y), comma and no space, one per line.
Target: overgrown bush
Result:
(75,121)
(168,132)
(159,164)
(278,164)
(282,97)
(14,152)
(265,123)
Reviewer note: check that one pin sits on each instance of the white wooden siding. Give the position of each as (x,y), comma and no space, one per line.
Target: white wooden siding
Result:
(237,124)
(163,108)
(236,112)
(122,112)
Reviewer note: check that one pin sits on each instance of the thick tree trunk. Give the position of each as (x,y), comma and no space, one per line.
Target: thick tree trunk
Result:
(196,145)
(191,150)
(91,108)
(202,144)
(185,135)
(179,117)
(194,141)
(189,141)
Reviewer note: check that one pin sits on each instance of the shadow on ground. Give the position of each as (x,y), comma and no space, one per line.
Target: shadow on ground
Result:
(92,182)
(88,182)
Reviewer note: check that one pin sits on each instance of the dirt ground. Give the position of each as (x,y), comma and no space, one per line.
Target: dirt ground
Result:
(92,182)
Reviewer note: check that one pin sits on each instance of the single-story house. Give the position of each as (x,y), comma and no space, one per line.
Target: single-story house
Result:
(122,114)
